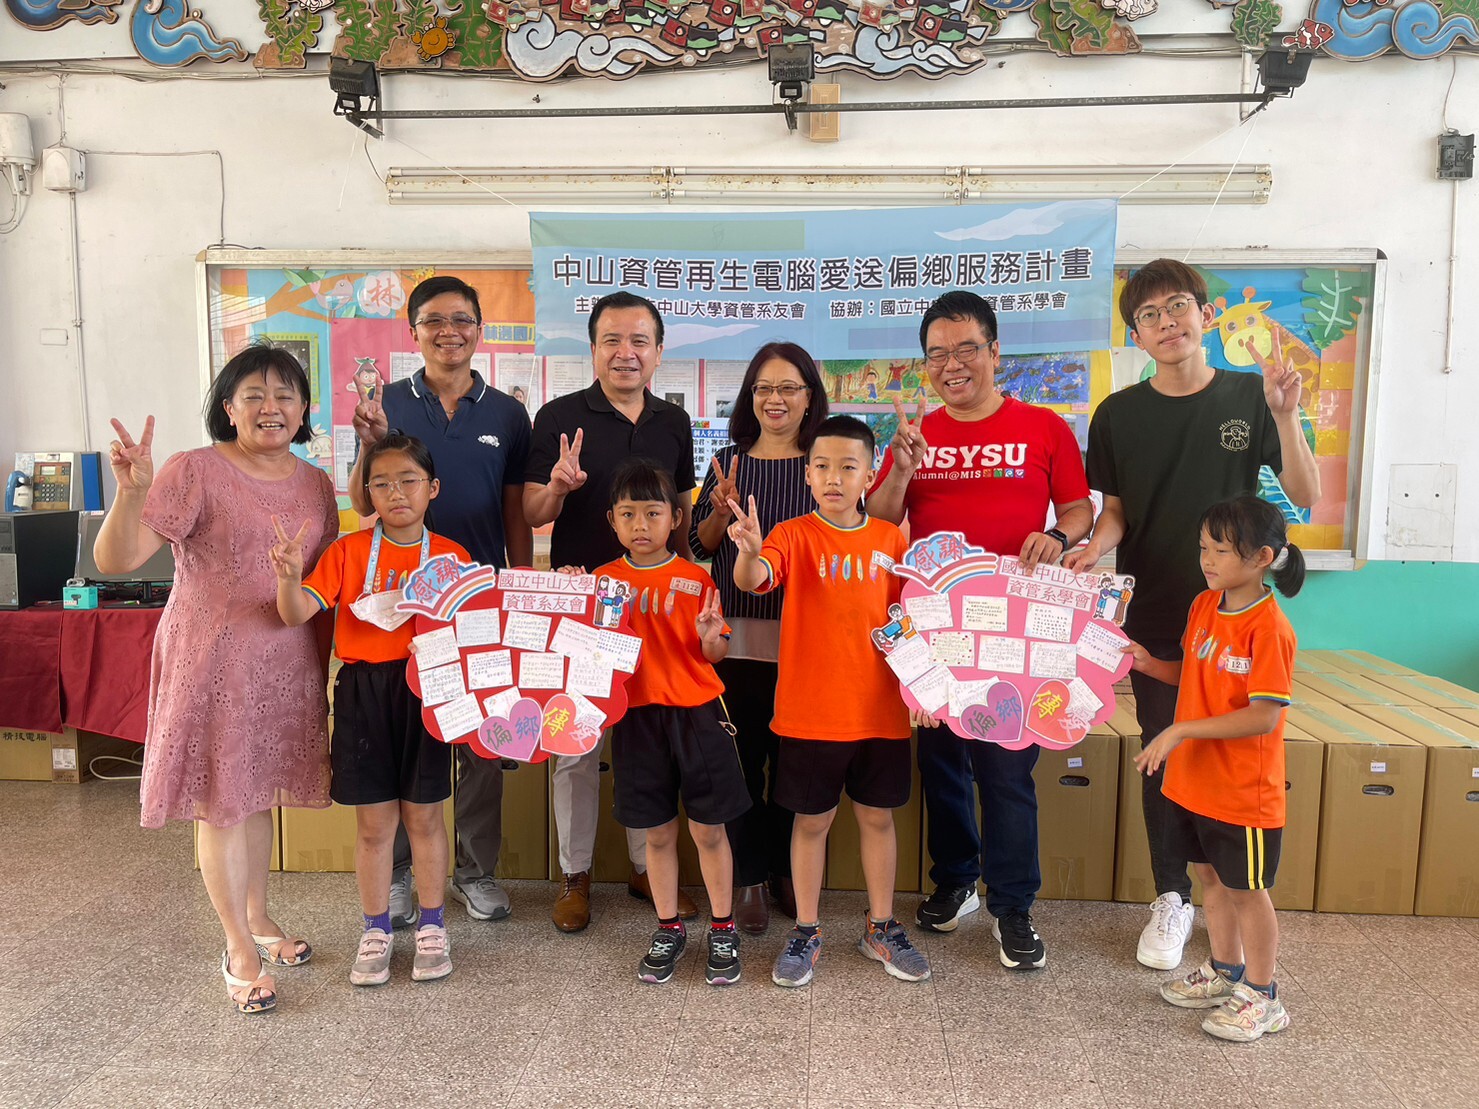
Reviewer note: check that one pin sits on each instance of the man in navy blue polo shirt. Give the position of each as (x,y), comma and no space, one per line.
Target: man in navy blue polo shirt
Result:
(479,440)
(579,440)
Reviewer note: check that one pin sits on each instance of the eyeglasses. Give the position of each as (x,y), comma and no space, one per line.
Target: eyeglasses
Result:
(436,323)
(406,485)
(966,352)
(1149,317)
(786,391)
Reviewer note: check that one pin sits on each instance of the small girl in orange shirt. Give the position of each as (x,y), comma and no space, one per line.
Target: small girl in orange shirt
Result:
(1224,758)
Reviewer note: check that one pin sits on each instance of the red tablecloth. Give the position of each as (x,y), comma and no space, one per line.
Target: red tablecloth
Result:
(79,668)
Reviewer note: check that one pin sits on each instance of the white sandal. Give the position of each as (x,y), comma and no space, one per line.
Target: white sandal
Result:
(264,943)
(260,995)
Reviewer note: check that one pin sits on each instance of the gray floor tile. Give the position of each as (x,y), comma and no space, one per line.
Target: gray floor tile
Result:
(912,1066)
(31,1084)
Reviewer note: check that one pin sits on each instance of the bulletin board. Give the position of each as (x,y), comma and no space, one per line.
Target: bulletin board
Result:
(337,310)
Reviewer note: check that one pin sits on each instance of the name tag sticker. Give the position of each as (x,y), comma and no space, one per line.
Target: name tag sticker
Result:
(1378,768)
(1074,764)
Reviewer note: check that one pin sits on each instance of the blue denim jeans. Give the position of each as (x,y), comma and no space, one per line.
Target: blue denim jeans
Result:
(1002,852)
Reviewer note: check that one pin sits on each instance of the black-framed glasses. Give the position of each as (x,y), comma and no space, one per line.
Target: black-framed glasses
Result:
(786,391)
(406,485)
(1177,307)
(460,321)
(966,352)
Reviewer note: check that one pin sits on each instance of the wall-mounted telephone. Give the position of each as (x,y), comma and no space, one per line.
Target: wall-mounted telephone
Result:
(64,480)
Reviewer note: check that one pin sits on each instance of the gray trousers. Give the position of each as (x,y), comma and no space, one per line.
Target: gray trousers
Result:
(575,788)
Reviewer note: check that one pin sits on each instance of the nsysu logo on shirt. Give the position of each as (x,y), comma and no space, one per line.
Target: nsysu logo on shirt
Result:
(1002,460)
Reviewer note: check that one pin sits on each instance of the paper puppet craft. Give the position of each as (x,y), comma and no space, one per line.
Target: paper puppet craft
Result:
(512,662)
(1002,656)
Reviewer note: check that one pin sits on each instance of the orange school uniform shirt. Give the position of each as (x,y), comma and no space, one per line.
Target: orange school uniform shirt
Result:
(339,579)
(833,683)
(1231,660)
(665,604)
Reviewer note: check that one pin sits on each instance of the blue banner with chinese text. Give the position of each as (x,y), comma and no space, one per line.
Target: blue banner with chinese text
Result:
(845,284)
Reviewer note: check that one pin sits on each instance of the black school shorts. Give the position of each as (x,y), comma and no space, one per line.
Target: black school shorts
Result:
(660,754)
(380,750)
(1244,858)
(812,773)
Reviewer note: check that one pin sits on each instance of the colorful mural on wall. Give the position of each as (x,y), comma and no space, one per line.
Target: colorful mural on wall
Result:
(541,40)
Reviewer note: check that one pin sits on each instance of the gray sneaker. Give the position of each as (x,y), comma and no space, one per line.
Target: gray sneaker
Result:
(1203,988)
(404,912)
(1246,1016)
(891,947)
(484,898)
(372,960)
(433,954)
(797,961)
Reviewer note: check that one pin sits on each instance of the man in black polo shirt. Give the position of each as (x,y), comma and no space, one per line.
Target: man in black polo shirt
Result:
(579,439)
(479,440)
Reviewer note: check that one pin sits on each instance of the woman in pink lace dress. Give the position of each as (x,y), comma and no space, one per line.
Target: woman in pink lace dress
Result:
(237,712)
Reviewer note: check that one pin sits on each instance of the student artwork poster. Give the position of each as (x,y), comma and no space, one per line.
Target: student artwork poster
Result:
(1002,656)
(517,663)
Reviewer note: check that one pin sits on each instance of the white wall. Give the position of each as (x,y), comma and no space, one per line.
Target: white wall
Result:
(1353,155)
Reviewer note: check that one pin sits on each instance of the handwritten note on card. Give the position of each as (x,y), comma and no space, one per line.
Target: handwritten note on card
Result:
(541,671)
(441,684)
(490,670)
(1049,622)
(527,631)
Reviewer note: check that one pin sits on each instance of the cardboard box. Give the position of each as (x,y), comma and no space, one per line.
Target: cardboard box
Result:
(526,821)
(1426,690)
(276,863)
(1371,813)
(1132,877)
(321,841)
(1447,865)
(1322,662)
(64,757)
(1468,716)
(1348,688)
(1363,662)
(845,865)
(25,756)
(1077,801)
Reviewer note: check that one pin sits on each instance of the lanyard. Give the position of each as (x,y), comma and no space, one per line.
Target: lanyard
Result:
(375,554)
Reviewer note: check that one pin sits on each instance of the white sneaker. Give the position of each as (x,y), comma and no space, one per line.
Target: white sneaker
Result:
(1246,1016)
(1166,934)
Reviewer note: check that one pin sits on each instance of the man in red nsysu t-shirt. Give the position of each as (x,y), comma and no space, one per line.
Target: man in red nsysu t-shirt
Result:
(988,466)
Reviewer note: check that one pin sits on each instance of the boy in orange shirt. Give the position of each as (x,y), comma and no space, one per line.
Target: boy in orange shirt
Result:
(1224,759)
(834,565)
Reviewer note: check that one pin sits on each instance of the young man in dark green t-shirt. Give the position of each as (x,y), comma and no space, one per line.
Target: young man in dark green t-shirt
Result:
(1163,451)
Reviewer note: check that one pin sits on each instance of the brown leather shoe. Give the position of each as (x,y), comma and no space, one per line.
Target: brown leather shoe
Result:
(639,886)
(573,906)
(785,895)
(751,913)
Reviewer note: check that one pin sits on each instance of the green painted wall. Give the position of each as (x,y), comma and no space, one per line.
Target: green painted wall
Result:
(1422,614)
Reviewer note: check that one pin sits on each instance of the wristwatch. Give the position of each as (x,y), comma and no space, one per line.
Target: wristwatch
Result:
(1054,533)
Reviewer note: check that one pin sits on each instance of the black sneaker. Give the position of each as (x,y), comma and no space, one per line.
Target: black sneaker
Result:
(942,910)
(1021,946)
(662,957)
(724,963)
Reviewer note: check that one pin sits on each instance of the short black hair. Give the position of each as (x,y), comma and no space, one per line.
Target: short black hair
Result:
(259,358)
(623,300)
(845,427)
(959,304)
(409,445)
(435,287)
(642,479)
(744,426)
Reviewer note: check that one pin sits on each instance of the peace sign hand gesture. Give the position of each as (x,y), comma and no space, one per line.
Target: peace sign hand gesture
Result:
(908,443)
(725,488)
(745,532)
(1281,381)
(287,554)
(132,463)
(710,622)
(567,476)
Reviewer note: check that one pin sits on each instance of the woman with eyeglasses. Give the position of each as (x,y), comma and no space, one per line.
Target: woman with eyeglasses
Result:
(478,437)
(236,700)
(781,403)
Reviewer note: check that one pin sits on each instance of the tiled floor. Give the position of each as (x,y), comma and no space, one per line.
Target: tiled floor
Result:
(109,996)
